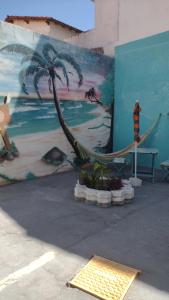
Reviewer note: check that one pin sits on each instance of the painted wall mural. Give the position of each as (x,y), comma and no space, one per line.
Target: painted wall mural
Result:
(55,98)
(142,72)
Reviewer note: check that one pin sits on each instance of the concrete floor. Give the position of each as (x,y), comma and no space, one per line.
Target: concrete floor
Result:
(40,216)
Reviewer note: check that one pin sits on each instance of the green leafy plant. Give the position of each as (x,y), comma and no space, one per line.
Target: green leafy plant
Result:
(113,183)
(98,177)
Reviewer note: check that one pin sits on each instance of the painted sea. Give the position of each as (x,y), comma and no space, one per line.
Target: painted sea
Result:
(32,115)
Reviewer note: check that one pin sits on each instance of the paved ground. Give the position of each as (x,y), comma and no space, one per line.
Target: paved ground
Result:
(40,223)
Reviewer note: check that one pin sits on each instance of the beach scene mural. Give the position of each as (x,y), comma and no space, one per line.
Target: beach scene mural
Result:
(55,98)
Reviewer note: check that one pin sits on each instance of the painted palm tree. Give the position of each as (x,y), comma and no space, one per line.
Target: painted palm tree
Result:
(47,65)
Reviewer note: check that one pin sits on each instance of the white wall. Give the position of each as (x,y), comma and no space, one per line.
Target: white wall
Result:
(106,28)
(141,18)
(121,21)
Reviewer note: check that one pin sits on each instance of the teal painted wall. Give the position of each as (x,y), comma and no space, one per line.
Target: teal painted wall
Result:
(142,72)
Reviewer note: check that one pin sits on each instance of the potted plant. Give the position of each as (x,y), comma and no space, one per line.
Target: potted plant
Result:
(94,179)
(97,186)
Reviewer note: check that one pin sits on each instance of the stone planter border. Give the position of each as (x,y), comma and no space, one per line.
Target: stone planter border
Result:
(104,198)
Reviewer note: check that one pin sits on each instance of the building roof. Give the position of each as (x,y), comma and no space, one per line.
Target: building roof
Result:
(10,19)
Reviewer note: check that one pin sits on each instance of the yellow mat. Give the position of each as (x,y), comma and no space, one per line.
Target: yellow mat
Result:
(104,279)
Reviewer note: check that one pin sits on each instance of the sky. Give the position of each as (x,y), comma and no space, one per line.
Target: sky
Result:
(77,13)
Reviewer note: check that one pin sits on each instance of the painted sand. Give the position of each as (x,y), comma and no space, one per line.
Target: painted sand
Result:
(33,146)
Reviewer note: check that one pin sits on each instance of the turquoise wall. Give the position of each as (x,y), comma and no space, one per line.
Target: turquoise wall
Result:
(142,72)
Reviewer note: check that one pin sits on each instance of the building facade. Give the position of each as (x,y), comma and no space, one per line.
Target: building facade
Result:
(45,25)
(121,21)
(116,22)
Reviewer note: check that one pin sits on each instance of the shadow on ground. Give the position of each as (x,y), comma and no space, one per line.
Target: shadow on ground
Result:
(136,234)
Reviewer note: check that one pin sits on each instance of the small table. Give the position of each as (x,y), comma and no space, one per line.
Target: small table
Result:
(145,151)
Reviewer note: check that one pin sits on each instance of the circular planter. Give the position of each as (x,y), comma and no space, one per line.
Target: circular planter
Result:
(80,192)
(104,199)
(91,196)
(118,197)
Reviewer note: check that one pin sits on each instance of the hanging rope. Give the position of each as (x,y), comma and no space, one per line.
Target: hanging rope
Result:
(85,153)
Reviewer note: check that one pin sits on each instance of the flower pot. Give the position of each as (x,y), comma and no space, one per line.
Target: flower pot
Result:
(118,197)
(80,192)
(91,196)
(103,199)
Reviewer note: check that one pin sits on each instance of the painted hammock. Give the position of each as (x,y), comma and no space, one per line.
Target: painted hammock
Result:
(86,154)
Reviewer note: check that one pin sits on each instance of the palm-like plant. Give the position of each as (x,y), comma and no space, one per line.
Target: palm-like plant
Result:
(47,65)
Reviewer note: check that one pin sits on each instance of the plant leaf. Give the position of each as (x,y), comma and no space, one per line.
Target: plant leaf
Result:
(57,76)
(49,52)
(36,58)
(59,64)
(18,48)
(74,64)
(37,78)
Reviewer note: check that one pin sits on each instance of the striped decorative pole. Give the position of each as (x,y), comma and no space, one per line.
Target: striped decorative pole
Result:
(136,119)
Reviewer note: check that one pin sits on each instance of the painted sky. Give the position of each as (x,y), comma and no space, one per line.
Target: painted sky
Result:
(95,67)
(78,13)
